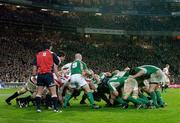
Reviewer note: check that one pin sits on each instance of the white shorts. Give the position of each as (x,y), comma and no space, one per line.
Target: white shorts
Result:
(157,77)
(131,88)
(77,81)
(167,80)
(61,89)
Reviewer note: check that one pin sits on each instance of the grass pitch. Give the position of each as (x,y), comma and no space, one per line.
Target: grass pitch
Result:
(84,114)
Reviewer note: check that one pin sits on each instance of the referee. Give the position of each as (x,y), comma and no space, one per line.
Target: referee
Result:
(44,64)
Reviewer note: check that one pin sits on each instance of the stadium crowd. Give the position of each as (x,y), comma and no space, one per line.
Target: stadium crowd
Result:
(18,49)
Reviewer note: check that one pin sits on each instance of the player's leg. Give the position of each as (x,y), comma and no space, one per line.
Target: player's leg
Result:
(83,84)
(52,88)
(113,97)
(89,94)
(23,101)
(136,94)
(153,94)
(102,91)
(60,94)
(76,93)
(40,90)
(120,100)
(155,80)
(92,86)
(144,99)
(84,97)
(54,97)
(128,90)
(159,97)
(114,94)
(16,94)
(67,97)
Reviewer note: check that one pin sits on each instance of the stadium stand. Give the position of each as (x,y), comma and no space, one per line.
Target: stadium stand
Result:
(18,47)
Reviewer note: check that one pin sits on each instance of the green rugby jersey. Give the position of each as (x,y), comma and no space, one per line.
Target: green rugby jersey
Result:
(77,67)
(148,69)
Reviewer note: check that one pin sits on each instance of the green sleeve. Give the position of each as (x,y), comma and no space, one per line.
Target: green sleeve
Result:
(84,66)
(141,68)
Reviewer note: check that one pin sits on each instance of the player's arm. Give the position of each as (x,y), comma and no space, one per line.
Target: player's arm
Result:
(97,78)
(166,72)
(140,73)
(34,71)
(86,72)
(56,63)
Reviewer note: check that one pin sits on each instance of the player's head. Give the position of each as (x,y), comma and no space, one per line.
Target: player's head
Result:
(126,68)
(46,45)
(167,65)
(61,55)
(78,56)
(108,74)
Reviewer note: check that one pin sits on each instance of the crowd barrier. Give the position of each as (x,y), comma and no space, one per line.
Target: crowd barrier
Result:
(11,84)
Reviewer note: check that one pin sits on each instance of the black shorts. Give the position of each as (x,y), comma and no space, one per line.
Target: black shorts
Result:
(45,80)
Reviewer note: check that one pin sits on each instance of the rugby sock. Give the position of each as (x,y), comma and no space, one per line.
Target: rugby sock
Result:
(66,100)
(38,102)
(159,98)
(143,100)
(48,101)
(90,97)
(104,97)
(54,100)
(12,97)
(28,99)
(120,100)
(143,97)
(154,98)
(83,98)
(133,100)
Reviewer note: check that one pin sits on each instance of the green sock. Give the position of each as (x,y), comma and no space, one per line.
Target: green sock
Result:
(159,98)
(154,98)
(120,100)
(143,97)
(143,100)
(66,100)
(133,100)
(90,98)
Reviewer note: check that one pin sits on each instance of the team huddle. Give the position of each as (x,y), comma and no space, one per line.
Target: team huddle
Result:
(54,88)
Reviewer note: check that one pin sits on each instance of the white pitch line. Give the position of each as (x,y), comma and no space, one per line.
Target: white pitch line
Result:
(45,121)
(4,95)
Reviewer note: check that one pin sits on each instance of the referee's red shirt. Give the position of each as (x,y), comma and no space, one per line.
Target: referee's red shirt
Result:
(44,62)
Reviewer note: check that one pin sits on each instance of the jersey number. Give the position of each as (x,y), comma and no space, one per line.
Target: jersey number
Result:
(74,65)
(44,53)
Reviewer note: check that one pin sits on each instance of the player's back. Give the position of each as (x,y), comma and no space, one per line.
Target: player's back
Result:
(77,67)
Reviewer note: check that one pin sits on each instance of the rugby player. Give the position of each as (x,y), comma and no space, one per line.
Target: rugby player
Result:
(78,72)
(29,86)
(154,75)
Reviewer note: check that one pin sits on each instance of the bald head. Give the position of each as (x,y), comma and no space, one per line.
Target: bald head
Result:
(78,56)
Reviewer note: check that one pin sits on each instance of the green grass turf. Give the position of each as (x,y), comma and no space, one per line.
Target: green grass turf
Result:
(84,114)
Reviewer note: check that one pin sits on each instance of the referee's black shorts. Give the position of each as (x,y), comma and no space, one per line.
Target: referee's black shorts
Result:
(45,80)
